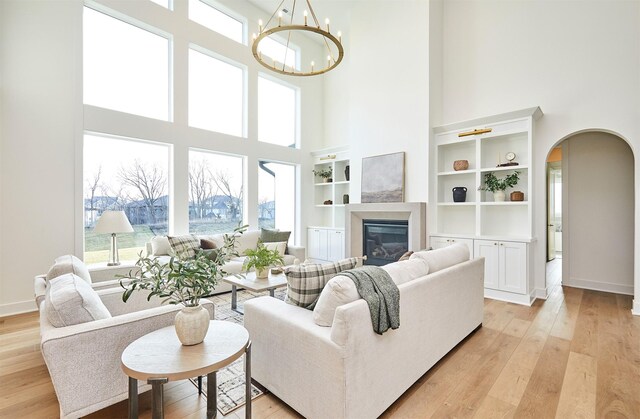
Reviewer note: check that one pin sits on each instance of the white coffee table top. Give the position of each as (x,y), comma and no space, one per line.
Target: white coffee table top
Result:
(252,283)
(160,354)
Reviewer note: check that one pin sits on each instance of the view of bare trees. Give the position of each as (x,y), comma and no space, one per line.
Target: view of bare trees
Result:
(148,181)
(210,190)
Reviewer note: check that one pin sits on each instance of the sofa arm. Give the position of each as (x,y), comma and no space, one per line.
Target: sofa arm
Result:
(299,252)
(40,288)
(112,299)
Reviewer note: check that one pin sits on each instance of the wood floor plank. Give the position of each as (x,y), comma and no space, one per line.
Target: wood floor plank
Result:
(495,409)
(578,395)
(585,334)
(540,399)
(517,327)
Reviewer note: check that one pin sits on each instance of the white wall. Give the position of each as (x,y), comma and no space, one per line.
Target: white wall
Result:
(43,118)
(598,215)
(377,101)
(578,61)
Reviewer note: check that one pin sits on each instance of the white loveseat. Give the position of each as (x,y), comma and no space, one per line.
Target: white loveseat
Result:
(159,247)
(347,370)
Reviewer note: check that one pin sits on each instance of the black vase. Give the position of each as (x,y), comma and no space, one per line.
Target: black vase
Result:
(346,172)
(459,194)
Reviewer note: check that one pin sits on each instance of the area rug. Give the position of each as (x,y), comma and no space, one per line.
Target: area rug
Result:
(231,389)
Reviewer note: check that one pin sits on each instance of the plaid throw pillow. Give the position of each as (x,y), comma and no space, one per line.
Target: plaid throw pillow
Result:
(184,246)
(305,282)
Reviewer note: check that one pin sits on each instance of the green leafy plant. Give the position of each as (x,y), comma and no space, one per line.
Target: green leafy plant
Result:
(261,258)
(324,173)
(493,184)
(181,280)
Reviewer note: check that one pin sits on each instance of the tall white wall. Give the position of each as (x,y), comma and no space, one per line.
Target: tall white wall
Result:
(42,120)
(384,83)
(598,215)
(578,61)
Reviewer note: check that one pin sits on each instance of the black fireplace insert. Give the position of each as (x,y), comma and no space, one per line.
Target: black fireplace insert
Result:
(384,241)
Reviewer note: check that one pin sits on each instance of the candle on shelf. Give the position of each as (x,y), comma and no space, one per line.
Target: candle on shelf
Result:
(326,21)
(305,18)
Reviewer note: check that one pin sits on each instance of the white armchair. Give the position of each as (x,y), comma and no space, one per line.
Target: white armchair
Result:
(84,359)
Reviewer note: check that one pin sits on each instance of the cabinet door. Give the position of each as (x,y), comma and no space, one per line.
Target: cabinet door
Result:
(440,242)
(513,267)
(336,245)
(317,243)
(489,249)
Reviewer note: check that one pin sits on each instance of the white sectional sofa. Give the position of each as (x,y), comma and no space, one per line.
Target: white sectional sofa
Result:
(347,370)
(159,247)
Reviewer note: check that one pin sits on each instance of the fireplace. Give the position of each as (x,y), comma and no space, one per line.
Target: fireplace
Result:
(384,241)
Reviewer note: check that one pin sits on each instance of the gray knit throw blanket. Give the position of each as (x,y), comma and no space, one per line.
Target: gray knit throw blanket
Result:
(377,288)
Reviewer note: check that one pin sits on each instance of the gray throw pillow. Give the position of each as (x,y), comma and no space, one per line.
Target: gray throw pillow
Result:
(272,236)
(70,300)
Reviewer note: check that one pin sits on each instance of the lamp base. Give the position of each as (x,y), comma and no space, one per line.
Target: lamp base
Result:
(114,259)
(113,264)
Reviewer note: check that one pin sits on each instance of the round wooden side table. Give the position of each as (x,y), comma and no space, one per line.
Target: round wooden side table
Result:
(159,357)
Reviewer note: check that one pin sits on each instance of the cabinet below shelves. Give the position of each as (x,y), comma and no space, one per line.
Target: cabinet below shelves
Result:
(325,243)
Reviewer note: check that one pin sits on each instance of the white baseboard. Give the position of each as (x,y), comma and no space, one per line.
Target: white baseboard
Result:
(599,286)
(17,308)
(510,297)
(541,293)
(635,310)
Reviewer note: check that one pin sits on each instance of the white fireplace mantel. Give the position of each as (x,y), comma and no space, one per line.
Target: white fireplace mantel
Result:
(413,212)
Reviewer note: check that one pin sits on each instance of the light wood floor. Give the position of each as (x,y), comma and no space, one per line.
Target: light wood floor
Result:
(575,355)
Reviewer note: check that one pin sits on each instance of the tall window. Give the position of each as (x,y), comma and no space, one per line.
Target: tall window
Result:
(277,112)
(216,20)
(278,51)
(216,94)
(215,192)
(276,195)
(126,68)
(128,175)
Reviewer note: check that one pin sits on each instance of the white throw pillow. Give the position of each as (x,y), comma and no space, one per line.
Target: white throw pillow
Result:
(70,300)
(339,290)
(160,246)
(445,257)
(69,264)
(407,270)
(278,246)
(248,240)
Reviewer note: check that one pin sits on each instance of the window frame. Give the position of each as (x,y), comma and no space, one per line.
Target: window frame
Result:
(226,11)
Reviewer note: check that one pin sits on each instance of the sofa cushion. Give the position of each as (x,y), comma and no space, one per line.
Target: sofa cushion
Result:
(184,246)
(208,244)
(271,236)
(305,282)
(339,290)
(69,264)
(160,246)
(70,300)
(407,270)
(248,240)
(443,258)
(278,246)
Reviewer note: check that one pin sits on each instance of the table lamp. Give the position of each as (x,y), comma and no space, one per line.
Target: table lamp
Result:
(113,222)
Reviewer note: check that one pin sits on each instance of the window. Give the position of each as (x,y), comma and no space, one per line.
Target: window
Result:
(214,19)
(126,68)
(279,52)
(276,195)
(215,192)
(163,3)
(128,175)
(216,94)
(277,112)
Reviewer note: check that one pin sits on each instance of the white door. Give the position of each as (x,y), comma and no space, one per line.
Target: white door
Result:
(489,249)
(317,243)
(336,245)
(513,267)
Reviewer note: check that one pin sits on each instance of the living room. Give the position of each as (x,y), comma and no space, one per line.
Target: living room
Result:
(409,66)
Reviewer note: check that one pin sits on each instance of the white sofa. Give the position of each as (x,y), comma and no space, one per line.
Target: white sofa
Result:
(347,370)
(248,240)
(84,359)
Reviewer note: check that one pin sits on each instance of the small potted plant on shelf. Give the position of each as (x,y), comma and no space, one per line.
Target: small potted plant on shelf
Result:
(261,259)
(325,174)
(183,281)
(498,186)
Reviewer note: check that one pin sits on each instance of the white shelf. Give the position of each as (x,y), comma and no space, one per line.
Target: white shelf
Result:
(332,215)
(504,203)
(504,168)
(456,204)
(458,172)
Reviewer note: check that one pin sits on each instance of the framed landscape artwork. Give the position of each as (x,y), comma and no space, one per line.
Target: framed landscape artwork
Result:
(383,178)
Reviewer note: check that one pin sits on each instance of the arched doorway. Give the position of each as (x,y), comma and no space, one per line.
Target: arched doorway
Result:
(596,221)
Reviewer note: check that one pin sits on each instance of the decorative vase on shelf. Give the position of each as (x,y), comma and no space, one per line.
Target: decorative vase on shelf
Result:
(346,172)
(192,324)
(459,194)
(460,165)
(498,196)
(345,198)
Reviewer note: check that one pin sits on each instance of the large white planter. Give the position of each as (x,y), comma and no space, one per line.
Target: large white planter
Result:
(192,324)
(499,196)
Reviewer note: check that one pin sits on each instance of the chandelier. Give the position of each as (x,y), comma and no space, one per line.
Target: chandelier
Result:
(287,25)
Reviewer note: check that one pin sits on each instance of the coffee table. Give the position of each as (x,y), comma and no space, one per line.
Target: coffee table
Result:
(251,282)
(159,357)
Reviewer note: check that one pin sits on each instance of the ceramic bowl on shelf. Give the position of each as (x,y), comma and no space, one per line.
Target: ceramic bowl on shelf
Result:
(460,165)
(516,196)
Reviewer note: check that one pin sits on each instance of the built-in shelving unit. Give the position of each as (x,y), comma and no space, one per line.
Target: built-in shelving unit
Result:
(481,222)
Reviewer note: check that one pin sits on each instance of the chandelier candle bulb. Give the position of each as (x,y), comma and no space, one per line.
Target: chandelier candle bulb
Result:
(340,36)
(329,60)
(326,21)
(260,25)
(305,18)
(312,64)
(279,18)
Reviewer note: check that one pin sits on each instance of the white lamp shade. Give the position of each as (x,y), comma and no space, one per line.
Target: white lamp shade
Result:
(113,222)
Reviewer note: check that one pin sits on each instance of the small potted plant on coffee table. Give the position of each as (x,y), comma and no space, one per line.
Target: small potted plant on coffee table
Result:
(498,186)
(324,174)
(261,259)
